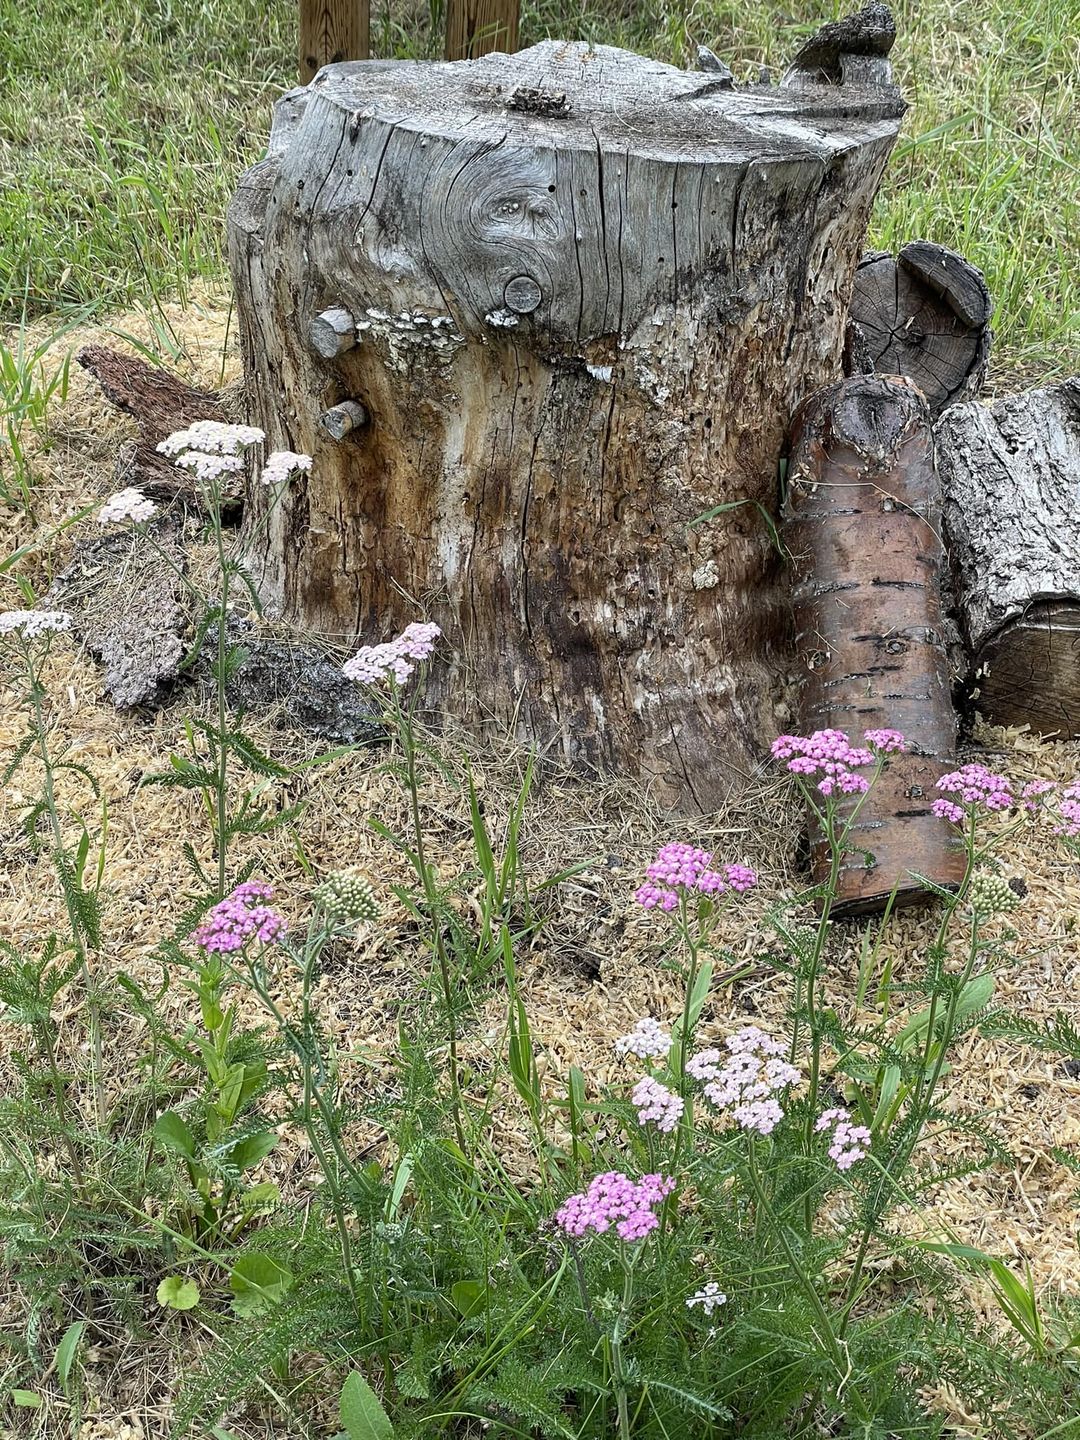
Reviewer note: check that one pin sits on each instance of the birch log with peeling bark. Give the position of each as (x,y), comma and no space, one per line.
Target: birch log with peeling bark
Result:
(863,526)
(588,291)
(1011,473)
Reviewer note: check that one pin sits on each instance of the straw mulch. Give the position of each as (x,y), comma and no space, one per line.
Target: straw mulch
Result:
(587,974)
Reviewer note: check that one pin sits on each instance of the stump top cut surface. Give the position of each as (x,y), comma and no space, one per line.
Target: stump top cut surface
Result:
(597,97)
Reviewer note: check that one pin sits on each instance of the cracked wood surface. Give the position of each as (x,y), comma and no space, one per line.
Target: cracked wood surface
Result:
(589,291)
(1011,472)
(863,525)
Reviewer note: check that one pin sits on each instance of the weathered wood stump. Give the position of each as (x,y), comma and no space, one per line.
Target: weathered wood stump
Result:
(1011,473)
(587,292)
(863,524)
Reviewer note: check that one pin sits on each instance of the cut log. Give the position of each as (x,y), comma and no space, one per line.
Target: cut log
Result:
(160,403)
(589,291)
(863,527)
(925,315)
(1011,473)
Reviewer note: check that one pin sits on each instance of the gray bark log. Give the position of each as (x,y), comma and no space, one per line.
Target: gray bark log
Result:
(1011,473)
(590,291)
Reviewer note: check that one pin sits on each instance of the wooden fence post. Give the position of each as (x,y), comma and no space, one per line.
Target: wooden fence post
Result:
(331,30)
(474,27)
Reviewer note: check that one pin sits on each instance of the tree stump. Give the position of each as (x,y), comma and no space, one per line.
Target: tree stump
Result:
(587,292)
(863,524)
(1011,473)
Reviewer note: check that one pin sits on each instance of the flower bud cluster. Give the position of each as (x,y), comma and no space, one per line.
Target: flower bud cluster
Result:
(346,895)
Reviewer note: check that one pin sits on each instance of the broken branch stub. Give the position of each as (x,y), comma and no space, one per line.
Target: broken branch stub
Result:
(924,314)
(863,527)
(589,292)
(1011,473)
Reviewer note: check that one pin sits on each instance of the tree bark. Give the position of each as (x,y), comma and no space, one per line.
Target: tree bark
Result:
(588,291)
(863,526)
(1012,518)
(924,314)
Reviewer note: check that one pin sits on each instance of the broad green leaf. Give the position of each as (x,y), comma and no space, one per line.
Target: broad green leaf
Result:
(975,996)
(26,1399)
(468,1296)
(698,995)
(257,1282)
(171,1131)
(260,1196)
(176,1293)
(67,1350)
(362,1413)
(248,1152)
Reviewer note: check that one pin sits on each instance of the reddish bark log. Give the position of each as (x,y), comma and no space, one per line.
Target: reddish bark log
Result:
(160,403)
(863,525)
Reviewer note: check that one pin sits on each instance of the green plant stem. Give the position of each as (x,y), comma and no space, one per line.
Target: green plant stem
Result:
(829,1336)
(220,677)
(404,725)
(617,1366)
(97,1082)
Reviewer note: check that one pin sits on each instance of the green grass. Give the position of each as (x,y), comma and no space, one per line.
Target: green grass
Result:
(123,127)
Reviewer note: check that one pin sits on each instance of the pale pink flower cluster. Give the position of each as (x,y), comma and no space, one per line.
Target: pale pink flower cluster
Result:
(849,1143)
(748,1080)
(210,448)
(614,1199)
(655,1102)
(239,918)
(211,437)
(710,1297)
(647,1040)
(679,866)
(974,788)
(396,659)
(1068,811)
(129,504)
(32,623)
(1033,791)
(282,465)
(831,755)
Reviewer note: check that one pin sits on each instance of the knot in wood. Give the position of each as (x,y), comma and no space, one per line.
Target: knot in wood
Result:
(522,295)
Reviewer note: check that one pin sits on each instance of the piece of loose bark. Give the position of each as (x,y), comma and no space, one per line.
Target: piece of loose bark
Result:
(160,403)
(863,526)
(129,605)
(924,314)
(1011,473)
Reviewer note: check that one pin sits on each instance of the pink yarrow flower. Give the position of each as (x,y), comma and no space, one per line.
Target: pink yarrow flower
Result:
(647,1040)
(679,866)
(1033,791)
(831,758)
(240,918)
(1068,810)
(612,1199)
(748,1080)
(396,659)
(657,1104)
(970,791)
(849,1143)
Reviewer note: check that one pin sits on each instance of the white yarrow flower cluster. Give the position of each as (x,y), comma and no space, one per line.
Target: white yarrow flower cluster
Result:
(710,1297)
(655,1102)
(31,623)
(211,437)
(647,1041)
(209,467)
(282,465)
(396,659)
(748,1080)
(129,504)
